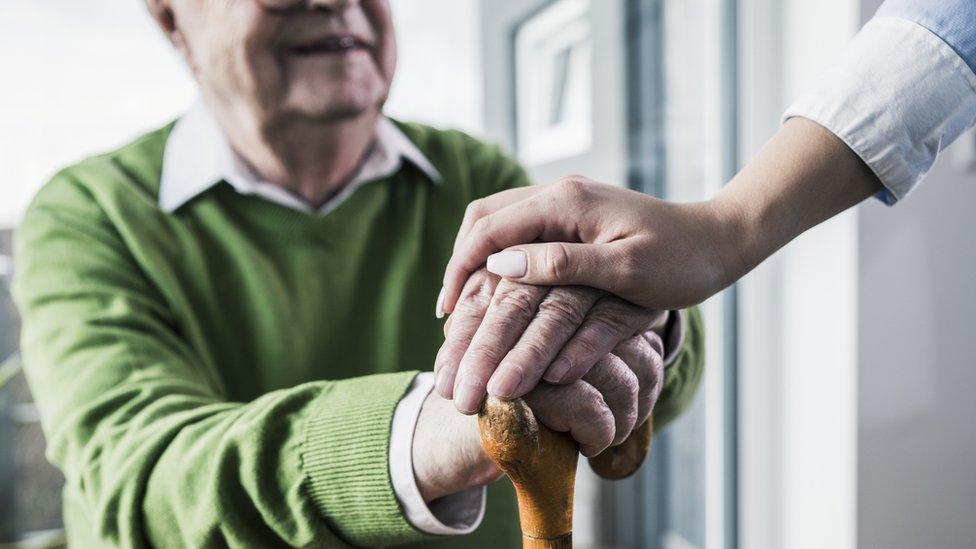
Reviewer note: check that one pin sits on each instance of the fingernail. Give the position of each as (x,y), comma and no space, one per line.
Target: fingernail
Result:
(509,264)
(439,308)
(505,382)
(558,370)
(468,394)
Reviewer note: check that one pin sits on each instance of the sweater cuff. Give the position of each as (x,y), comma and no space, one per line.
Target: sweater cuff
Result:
(674,337)
(682,376)
(345,459)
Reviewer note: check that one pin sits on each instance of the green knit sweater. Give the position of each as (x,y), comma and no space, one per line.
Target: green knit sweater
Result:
(227,374)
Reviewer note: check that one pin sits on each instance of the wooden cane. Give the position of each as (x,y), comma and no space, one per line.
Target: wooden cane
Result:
(541,464)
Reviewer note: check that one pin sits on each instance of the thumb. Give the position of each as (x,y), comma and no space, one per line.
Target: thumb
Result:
(558,264)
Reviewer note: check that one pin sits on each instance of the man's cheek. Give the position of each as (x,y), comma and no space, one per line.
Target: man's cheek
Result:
(379,19)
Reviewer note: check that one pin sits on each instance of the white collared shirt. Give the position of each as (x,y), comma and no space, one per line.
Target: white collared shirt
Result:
(198,157)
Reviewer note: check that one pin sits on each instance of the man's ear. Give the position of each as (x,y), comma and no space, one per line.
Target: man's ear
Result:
(162,12)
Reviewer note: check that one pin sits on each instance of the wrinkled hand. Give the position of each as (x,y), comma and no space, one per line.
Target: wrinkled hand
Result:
(503,337)
(599,410)
(605,355)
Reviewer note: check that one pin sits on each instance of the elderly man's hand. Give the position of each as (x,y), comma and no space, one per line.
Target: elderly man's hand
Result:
(602,355)
(504,337)
(598,410)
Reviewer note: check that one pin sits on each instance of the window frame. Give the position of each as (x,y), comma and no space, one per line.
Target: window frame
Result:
(647,172)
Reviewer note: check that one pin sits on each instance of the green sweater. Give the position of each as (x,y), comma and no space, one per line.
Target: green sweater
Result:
(227,374)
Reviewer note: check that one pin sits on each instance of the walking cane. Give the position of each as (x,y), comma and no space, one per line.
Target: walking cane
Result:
(542,466)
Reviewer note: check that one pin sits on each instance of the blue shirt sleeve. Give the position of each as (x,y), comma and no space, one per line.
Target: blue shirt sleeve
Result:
(954,21)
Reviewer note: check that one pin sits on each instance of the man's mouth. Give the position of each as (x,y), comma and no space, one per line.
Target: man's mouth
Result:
(330,46)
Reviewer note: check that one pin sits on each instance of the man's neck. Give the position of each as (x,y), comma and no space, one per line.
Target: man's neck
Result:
(312,160)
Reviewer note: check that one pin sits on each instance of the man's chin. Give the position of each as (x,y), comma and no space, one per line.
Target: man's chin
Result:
(332,107)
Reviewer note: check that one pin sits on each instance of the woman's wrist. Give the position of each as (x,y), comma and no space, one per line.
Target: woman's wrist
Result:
(802,177)
(731,234)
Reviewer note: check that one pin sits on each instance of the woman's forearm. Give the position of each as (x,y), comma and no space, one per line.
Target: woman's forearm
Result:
(803,176)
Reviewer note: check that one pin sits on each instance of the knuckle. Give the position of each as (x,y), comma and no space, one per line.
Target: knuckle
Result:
(611,317)
(629,384)
(626,386)
(630,266)
(592,408)
(644,375)
(475,300)
(588,343)
(533,350)
(575,185)
(477,293)
(474,209)
(481,227)
(556,260)
(571,299)
(566,313)
(443,360)
(515,302)
(480,352)
(654,342)
(607,430)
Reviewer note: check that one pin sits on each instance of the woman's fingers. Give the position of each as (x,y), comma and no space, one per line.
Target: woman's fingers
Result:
(479,242)
(489,205)
(562,263)
(544,214)
(460,267)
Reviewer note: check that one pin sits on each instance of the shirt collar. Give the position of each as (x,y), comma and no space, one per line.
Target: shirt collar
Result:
(198,156)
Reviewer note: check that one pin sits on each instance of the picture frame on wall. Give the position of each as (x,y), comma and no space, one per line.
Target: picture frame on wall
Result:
(553,83)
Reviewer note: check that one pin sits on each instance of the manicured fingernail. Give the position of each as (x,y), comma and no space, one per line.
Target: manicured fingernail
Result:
(468,394)
(558,370)
(439,308)
(510,264)
(505,382)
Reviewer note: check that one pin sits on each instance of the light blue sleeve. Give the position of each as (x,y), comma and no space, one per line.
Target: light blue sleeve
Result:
(954,21)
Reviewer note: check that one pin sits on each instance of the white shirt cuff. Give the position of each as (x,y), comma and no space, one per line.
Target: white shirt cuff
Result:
(455,514)
(899,96)
(674,337)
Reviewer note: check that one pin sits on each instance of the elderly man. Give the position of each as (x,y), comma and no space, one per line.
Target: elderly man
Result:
(224,320)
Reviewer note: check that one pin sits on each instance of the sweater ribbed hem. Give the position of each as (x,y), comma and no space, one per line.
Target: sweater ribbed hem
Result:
(345,457)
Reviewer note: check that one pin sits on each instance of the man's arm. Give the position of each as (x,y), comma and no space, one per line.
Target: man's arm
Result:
(146,436)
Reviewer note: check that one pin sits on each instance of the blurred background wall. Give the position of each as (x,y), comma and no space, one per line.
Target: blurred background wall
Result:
(917,357)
